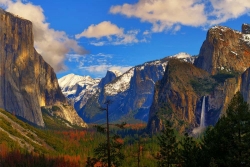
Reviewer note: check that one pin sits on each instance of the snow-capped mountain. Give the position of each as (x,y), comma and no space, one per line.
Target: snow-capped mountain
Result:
(131,93)
(123,82)
(78,89)
(110,76)
(184,56)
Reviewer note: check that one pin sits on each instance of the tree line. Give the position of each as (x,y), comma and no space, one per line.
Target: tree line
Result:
(227,144)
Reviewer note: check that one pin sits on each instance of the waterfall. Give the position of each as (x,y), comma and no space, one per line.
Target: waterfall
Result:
(203,108)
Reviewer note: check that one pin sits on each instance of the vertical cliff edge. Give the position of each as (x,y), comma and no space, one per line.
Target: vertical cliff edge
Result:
(27,82)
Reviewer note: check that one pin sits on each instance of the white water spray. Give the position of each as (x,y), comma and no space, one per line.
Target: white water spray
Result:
(202,123)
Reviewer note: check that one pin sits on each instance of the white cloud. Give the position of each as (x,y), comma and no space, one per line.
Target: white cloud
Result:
(165,15)
(107,33)
(177,28)
(146,32)
(96,64)
(122,69)
(224,10)
(51,44)
(98,43)
(104,68)
(103,29)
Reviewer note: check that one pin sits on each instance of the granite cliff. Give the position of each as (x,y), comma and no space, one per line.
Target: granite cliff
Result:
(27,82)
(221,69)
(224,49)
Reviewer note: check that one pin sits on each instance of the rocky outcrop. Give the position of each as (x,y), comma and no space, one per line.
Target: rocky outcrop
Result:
(110,76)
(178,95)
(245,28)
(224,50)
(27,82)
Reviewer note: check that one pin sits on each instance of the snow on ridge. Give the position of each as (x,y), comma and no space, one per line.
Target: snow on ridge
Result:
(68,83)
(121,84)
(70,86)
(224,28)
(116,72)
(181,55)
(184,56)
(72,79)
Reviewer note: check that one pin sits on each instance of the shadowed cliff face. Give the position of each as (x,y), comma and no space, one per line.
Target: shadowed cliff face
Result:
(27,82)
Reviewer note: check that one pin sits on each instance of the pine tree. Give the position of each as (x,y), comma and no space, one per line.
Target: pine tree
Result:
(169,153)
(189,151)
(109,152)
(116,156)
(228,142)
(212,163)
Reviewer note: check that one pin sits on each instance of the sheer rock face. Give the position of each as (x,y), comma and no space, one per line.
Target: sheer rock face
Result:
(175,98)
(179,95)
(224,49)
(27,82)
(224,52)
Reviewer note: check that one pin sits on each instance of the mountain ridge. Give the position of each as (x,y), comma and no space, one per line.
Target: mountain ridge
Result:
(124,88)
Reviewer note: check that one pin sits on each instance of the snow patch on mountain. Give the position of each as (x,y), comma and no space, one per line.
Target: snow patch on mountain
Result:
(75,86)
(116,72)
(246,38)
(223,29)
(120,84)
(185,57)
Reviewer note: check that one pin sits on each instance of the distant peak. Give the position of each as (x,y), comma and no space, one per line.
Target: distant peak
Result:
(181,55)
(116,72)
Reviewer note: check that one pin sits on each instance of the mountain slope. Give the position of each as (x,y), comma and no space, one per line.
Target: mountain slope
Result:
(57,140)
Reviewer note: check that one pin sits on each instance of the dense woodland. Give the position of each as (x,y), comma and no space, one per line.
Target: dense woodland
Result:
(227,144)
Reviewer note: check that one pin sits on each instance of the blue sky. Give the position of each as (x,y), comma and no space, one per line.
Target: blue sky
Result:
(88,37)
